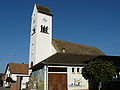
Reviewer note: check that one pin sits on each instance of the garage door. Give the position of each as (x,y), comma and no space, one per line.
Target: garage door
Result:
(57,81)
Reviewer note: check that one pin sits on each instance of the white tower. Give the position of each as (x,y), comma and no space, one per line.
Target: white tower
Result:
(41,34)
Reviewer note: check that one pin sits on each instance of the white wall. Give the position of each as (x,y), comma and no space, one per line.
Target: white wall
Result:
(43,40)
(14,76)
(24,82)
(33,37)
(75,77)
(6,75)
(40,43)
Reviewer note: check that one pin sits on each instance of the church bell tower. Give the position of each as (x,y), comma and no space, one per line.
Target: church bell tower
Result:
(41,34)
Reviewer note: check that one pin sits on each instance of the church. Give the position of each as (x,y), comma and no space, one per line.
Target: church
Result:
(55,64)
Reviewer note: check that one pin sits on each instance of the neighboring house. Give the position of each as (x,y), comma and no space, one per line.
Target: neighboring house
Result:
(18,73)
(55,64)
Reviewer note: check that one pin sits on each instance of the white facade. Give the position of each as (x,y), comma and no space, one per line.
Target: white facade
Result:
(40,43)
(5,84)
(75,79)
(41,48)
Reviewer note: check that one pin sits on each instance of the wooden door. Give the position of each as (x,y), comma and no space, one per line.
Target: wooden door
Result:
(57,81)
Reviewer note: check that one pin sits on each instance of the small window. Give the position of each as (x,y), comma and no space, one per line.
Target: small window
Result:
(31,63)
(57,69)
(73,70)
(41,28)
(44,29)
(78,70)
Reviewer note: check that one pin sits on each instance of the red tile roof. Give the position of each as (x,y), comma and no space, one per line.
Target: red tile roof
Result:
(16,68)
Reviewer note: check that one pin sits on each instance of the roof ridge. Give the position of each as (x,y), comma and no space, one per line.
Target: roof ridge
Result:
(71,47)
(75,43)
(17,63)
(74,54)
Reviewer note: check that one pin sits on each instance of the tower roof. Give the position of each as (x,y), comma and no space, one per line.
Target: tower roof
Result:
(43,9)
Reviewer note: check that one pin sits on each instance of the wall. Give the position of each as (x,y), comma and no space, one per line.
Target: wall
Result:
(40,43)
(6,75)
(75,79)
(33,37)
(24,82)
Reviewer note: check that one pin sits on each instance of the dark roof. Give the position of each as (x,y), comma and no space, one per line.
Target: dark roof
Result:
(68,59)
(75,54)
(43,9)
(74,48)
(16,68)
(65,59)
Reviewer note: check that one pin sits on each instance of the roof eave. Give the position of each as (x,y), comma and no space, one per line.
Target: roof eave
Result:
(50,14)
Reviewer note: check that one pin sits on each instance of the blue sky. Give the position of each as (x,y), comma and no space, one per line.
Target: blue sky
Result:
(90,22)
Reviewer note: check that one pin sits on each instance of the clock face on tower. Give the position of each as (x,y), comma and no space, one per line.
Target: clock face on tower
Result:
(44,20)
(44,28)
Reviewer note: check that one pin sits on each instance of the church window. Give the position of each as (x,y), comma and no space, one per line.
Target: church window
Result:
(73,70)
(41,28)
(57,69)
(44,29)
(78,70)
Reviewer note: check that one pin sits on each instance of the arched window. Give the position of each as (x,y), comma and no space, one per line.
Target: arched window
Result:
(44,29)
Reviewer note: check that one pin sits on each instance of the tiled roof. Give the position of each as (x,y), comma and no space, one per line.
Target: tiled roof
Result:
(65,60)
(16,68)
(43,9)
(68,59)
(74,48)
